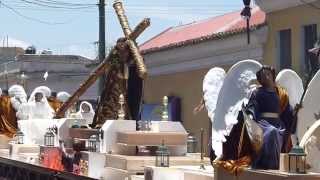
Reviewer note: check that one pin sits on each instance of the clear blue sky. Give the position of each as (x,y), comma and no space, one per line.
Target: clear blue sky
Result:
(74,31)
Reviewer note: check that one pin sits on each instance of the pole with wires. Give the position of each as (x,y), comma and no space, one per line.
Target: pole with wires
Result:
(102,39)
(246,14)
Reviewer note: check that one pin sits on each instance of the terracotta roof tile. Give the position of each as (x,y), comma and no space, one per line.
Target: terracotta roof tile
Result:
(196,32)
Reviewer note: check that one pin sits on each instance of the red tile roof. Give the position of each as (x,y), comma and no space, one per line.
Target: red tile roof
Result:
(196,32)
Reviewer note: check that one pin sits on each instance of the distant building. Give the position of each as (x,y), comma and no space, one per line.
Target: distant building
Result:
(66,72)
(9,53)
(293,28)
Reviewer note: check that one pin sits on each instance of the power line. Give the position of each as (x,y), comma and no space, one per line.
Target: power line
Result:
(143,6)
(132,11)
(30,6)
(65,3)
(30,18)
(53,10)
(138,9)
(53,6)
(151,11)
(34,8)
(135,12)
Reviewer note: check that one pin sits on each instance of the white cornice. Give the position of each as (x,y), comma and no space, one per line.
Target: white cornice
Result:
(276,5)
(227,59)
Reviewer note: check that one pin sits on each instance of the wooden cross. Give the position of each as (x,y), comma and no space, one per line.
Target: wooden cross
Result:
(118,6)
(104,67)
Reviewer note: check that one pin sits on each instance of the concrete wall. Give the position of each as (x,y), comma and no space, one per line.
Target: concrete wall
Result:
(56,82)
(9,53)
(292,18)
(66,73)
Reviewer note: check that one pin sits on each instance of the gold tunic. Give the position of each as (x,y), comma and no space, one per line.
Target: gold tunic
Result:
(8,119)
(54,103)
(109,105)
(284,98)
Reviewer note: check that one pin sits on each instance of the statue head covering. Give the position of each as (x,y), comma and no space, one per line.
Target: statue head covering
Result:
(46,91)
(63,96)
(88,116)
(85,103)
(17,91)
(42,109)
(18,100)
(43,89)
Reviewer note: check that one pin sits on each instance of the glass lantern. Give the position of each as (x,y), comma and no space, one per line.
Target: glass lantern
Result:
(49,138)
(20,137)
(144,125)
(93,143)
(297,160)
(162,156)
(192,143)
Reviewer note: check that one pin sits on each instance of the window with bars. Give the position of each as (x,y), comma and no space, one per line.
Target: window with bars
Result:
(310,60)
(284,49)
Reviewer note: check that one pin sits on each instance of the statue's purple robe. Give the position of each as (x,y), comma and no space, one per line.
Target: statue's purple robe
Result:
(275,130)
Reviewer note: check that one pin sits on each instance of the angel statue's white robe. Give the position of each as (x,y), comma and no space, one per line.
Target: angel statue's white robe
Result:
(39,110)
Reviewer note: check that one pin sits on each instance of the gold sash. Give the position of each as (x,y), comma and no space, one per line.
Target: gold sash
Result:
(234,167)
(284,98)
(8,119)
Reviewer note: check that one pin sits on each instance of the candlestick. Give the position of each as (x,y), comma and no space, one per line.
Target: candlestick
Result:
(121,114)
(201,149)
(165,116)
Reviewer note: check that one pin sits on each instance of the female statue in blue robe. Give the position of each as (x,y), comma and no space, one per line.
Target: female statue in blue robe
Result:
(269,107)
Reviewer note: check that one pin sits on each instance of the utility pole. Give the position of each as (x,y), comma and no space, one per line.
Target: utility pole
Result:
(102,39)
(102,29)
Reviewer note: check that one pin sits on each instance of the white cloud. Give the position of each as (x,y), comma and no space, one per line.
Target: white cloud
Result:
(12,42)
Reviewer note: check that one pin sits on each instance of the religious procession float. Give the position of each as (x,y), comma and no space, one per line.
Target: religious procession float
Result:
(264,125)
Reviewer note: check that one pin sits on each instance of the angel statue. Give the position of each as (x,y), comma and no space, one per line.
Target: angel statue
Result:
(269,107)
(226,125)
(253,123)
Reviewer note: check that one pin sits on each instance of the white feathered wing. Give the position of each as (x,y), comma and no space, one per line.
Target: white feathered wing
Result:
(212,84)
(234,92)
(311,143)
(290,80)
(310,111)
